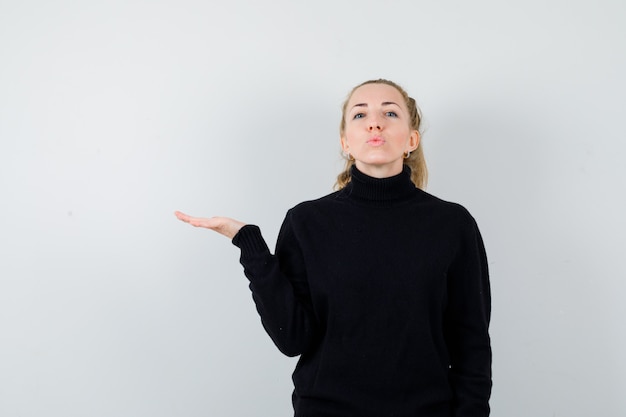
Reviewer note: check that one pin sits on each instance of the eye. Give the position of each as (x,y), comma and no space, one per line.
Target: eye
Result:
(359,116)
(391,114)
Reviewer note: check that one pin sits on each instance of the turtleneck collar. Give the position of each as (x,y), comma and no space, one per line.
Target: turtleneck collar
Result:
(380,190)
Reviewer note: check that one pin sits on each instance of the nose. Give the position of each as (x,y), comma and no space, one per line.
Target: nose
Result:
(374,124)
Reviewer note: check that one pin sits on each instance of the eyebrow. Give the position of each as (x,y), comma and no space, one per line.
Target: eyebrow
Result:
(384,103)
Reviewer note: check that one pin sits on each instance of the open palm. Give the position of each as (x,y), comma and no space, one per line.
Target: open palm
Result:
(222,225)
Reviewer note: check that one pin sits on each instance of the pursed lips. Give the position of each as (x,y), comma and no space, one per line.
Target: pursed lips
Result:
(376,141)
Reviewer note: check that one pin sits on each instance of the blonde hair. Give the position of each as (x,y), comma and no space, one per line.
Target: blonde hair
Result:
(416,161)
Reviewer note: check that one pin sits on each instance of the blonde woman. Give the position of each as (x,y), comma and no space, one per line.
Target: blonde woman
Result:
(381,288)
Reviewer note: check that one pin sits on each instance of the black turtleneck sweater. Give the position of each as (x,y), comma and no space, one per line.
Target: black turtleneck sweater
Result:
(383,290)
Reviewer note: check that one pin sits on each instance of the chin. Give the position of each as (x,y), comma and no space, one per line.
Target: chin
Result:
(381,161)
(387,164)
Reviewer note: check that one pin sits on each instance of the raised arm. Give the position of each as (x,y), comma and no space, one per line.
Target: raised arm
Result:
(279,288)
(278,282)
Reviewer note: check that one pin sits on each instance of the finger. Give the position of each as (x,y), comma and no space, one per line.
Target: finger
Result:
(199,222)
(182,216)
(194,221)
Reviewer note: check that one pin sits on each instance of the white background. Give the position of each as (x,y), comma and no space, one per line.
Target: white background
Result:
(113,114)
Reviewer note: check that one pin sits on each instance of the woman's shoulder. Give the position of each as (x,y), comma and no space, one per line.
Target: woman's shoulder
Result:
(448,209)
(316,203)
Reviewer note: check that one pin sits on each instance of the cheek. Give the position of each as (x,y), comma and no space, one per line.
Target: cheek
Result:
(349,135)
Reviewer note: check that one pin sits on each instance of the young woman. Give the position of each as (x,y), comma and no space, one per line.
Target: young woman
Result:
(380,287)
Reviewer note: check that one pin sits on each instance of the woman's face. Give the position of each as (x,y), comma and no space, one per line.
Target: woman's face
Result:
(377,130)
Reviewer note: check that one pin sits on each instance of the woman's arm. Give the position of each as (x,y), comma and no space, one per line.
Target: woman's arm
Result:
(467,326)
(278,282)
(279,287)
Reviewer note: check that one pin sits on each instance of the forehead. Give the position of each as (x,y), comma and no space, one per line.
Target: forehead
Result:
(376,94)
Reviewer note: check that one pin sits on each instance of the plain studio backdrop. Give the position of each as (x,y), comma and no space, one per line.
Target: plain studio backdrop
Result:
(114,114)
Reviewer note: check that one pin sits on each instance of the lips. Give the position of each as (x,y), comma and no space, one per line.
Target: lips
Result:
(376,141)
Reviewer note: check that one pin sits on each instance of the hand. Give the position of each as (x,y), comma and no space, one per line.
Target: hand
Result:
(222,225)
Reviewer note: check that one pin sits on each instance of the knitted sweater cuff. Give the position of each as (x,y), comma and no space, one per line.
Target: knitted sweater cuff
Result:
(250,241)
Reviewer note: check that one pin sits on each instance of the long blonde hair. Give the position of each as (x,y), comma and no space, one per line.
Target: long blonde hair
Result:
(416,161)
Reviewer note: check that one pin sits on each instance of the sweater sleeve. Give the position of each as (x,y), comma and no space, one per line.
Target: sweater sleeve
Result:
(279,287)
(467,326)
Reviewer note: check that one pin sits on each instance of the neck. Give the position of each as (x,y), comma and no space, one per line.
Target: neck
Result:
(380,191)
(380,171)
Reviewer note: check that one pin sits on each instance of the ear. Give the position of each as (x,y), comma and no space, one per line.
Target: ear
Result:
(344,144)
(414,140)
